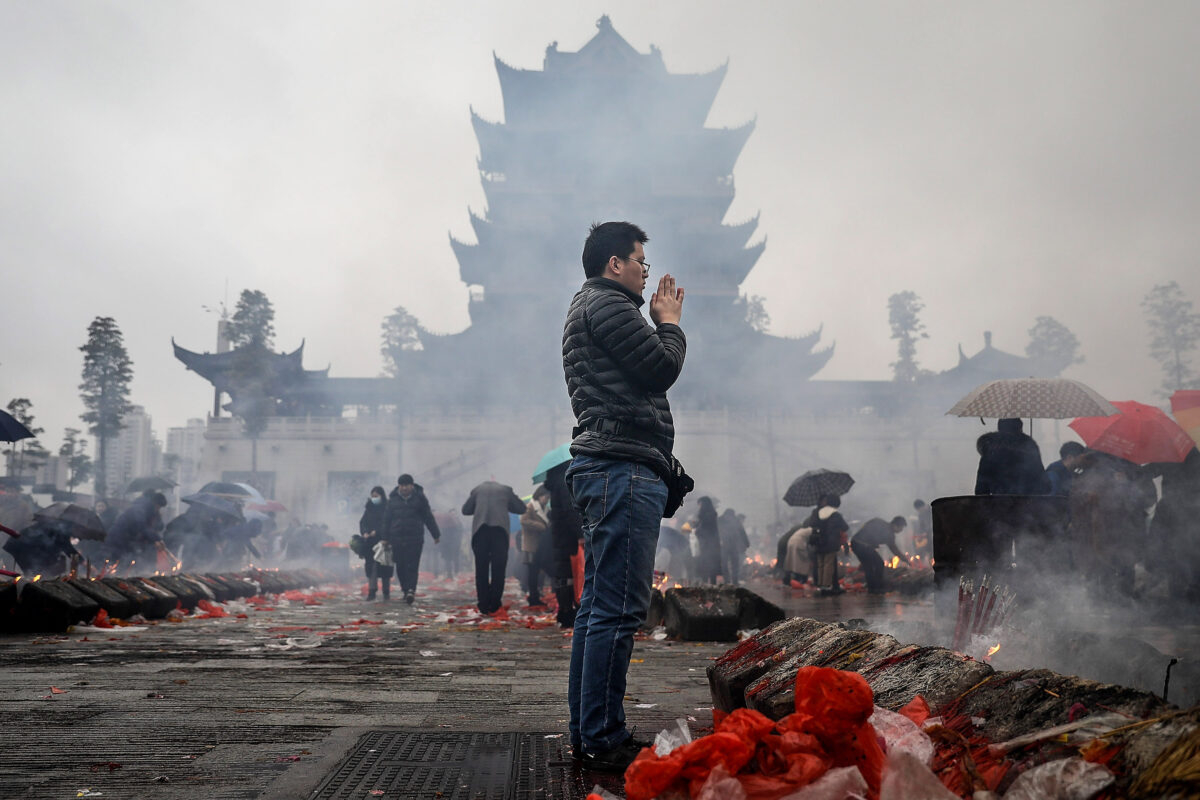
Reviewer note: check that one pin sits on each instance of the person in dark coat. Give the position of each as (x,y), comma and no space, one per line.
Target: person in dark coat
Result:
(874,533)
(829,532)
(734,543)
(137,532)
(1060,472)
(489,505)
(1175,529)
(193,537)
(1109,501)
(1010,462)
(708,540)
(370,527)
(407,516)
(566,532)
(42,548)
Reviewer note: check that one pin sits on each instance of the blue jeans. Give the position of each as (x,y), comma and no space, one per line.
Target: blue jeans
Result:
(622,506)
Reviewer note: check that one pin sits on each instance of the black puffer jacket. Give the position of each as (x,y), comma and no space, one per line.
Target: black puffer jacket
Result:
(407,518)
(618,368)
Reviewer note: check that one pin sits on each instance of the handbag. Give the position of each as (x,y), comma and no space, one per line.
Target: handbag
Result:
(383,554)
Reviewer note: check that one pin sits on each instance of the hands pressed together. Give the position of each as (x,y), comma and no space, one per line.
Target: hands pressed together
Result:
(666,304)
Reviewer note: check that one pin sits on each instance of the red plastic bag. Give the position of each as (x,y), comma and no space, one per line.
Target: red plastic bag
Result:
(838,705)
(917,710)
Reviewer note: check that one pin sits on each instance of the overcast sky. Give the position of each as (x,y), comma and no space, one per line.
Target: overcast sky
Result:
(1003,160)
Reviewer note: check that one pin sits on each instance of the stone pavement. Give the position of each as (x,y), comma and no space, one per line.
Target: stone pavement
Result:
(236,707)
(268,701)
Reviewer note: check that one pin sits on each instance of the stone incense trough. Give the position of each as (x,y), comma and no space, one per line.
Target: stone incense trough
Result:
(1016,717)
(50,606)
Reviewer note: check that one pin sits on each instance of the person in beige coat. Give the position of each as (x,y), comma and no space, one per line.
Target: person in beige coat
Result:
(535,523)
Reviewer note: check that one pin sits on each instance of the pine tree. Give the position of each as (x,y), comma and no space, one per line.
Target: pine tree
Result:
(252,334)
(401,333)
(79,463)
(253,321)
(904,309)
(1174,334)
(107,372)
(1053,345)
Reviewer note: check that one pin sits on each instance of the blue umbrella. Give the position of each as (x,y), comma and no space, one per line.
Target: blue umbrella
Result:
(559,455)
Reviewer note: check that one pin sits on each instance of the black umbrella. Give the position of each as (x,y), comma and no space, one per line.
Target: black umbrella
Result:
(151,483)
(211,502)
(224,488)
(11,430)
(808,489)
(81,522)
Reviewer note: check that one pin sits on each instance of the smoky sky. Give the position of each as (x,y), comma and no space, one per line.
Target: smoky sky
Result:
(1003,160)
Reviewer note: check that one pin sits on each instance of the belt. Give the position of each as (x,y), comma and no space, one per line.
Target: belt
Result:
(614,427)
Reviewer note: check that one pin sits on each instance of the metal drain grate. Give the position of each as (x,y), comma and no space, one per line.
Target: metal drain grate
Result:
(440,765)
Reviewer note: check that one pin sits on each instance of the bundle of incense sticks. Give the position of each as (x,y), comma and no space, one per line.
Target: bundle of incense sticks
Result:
(980,611)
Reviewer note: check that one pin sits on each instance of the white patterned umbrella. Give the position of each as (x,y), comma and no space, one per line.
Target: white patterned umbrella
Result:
(1033,398)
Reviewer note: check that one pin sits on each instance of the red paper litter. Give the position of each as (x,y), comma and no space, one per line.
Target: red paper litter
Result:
(828,729)
(917,710)
(210,610)
(101,619)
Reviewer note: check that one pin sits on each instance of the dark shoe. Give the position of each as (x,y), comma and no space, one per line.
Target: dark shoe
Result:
(370,597)
(409,597)
(616,760)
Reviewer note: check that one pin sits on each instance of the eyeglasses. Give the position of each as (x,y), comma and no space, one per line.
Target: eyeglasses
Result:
(644,264)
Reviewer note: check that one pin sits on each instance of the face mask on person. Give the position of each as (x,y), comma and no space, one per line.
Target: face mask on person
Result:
(376,499)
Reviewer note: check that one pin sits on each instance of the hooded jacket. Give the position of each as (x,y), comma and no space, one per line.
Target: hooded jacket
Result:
(618,368)
(407,518)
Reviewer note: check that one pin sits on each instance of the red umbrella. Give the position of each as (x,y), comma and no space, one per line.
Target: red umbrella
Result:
(1185,405)
(1139,433)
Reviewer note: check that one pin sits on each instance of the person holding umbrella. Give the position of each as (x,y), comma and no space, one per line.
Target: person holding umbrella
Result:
(42,548)
(137,532)
(1010,462)
(828,536)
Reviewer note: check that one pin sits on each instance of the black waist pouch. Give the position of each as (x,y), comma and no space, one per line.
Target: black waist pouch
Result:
(679,483)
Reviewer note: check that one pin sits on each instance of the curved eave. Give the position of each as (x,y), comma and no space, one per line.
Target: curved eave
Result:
(514,82)
(741,231)
(698,91)
(736,271)
(724,145)
(493,143)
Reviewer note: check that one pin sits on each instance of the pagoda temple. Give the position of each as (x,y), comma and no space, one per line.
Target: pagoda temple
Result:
(604,133)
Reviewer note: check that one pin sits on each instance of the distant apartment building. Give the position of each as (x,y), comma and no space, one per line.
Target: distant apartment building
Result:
(133,453)
(187,445)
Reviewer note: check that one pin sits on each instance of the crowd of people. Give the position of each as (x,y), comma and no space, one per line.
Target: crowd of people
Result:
(1117,517)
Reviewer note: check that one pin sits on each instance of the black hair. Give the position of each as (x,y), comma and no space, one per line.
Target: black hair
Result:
(918,504)
(1071,449)
(404,480)
(830,500)
(899,521)
(608,239)
(159,499)
(379,490)
(1010,425)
